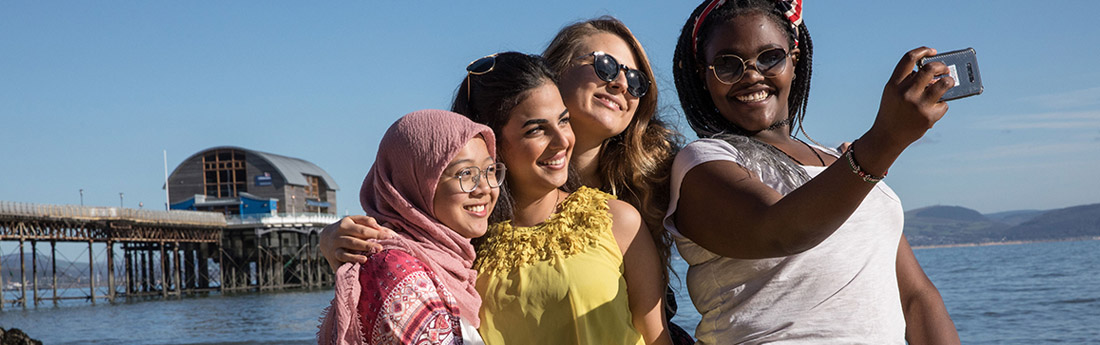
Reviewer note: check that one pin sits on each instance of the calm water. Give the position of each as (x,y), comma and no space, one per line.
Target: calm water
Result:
(1043,293)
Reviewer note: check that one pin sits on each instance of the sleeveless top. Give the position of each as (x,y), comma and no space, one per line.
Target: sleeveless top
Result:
(559,282)
(842,291)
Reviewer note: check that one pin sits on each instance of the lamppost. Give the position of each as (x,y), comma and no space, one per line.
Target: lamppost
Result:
(120,199)
(82,197)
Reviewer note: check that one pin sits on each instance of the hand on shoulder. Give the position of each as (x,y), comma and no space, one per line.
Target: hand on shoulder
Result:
(346,240)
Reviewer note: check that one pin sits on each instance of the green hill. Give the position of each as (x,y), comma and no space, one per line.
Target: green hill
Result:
(953,213)
(1067,223)
(1014,217)
(943,225)
(946,225)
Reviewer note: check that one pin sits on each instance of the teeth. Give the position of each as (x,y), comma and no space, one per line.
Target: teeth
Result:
(753,97)
(475,208)
(610,102)
(558,161)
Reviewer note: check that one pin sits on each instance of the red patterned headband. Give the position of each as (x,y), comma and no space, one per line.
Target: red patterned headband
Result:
(791,8)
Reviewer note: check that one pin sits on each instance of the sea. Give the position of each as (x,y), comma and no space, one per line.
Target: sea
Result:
(1034,293)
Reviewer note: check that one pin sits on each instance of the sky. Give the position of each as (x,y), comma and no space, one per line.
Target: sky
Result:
(93,93)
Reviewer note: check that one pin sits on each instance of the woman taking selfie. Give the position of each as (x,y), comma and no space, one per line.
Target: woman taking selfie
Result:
(786,241)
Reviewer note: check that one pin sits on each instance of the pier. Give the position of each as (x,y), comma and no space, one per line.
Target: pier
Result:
(161,253)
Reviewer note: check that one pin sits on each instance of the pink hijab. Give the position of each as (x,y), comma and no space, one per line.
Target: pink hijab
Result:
(398,192)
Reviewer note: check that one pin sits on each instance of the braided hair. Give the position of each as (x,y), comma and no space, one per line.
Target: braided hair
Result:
(703,115)
(698,107)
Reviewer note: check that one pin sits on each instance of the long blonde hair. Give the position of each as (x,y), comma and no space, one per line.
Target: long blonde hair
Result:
(633,165)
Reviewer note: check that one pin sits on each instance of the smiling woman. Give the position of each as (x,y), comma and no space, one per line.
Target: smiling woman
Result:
(789,242)
(560,267)
(420,287)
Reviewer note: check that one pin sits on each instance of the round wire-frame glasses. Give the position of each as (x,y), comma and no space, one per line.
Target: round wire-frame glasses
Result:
(470,177)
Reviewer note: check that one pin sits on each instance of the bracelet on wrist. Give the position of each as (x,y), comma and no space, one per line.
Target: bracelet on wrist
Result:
(858,170)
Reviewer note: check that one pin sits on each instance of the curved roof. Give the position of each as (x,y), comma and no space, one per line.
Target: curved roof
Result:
(292,169)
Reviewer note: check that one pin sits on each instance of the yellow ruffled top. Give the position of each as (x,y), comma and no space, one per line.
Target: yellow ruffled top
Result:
(559,282)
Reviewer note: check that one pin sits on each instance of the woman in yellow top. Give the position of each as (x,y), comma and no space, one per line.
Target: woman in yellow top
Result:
(552,270)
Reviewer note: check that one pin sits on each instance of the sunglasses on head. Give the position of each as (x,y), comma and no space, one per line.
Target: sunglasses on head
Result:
(729,68)
(479,67)
(607,69)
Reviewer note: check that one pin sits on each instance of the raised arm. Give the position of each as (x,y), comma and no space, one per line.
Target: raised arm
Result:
(346,240)
(926,318)
(719,196)
(642,273)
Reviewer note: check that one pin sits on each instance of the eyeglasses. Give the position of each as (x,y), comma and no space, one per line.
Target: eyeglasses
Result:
(479,67)
(470,177)
(607,69)
(729,68)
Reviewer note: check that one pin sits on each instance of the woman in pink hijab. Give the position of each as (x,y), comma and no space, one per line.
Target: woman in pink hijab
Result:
(434,182)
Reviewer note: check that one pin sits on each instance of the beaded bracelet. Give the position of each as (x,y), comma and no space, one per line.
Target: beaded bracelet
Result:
(856,169)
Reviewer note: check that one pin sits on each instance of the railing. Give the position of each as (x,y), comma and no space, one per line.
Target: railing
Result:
(20,209)
(282,219)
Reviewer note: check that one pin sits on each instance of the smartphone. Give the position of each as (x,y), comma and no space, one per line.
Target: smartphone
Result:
(963,66)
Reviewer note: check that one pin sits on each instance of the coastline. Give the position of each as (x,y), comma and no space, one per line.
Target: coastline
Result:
(1005,243)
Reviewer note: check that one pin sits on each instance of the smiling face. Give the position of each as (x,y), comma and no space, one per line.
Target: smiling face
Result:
(600,109)
(754,103)
(467,213)
(537,141)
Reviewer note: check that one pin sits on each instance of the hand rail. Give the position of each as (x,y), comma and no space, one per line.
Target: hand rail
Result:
(21,209)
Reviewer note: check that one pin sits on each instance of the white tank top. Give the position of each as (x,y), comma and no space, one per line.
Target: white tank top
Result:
(843,291)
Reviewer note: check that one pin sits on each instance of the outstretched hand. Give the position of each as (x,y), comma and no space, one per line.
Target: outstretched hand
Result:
(352,239)
(911,100)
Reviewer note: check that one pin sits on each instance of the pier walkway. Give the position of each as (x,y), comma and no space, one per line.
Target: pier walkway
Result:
(163,252)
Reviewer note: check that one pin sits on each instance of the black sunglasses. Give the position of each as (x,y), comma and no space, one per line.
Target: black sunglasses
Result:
(729,68)
(479,67)
(607,69)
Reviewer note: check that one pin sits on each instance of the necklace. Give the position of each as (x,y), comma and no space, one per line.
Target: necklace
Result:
(554,209)
(811,150)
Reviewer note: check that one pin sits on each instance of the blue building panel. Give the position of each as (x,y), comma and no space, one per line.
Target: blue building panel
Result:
(253,205)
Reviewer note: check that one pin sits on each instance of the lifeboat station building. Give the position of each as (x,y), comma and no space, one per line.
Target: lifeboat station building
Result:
(240,182)
(275,207)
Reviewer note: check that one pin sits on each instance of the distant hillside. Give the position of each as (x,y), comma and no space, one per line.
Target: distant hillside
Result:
(1071,222)
(945,225)
(1014,217)
(941,225)
(66,271)
(954,213)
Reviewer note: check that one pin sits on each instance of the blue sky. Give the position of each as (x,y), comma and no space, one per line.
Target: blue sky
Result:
(92,92)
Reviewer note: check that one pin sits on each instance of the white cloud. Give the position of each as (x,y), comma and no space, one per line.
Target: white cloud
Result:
(1079,120)
(1032,150)
(1009,159)
(1071,99)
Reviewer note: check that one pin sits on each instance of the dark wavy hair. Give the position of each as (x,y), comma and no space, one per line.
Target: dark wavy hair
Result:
(490,97)
(699,109)
(635,164)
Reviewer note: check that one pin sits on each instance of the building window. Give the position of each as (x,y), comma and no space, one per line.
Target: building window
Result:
(313,187)
(315,194)
(224,171)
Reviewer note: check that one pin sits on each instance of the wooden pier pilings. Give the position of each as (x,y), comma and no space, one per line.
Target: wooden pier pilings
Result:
(163,253)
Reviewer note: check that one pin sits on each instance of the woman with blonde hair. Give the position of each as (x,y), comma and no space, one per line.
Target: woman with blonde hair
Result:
(623,147)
